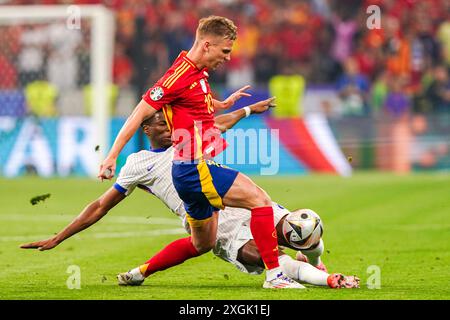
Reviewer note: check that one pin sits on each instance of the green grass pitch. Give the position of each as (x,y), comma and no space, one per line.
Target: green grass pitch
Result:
(400,224)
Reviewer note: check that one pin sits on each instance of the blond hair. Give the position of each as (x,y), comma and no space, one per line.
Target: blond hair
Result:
(217,26)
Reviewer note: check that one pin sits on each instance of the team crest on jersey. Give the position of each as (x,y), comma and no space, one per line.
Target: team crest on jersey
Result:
(156,93)
(203,84)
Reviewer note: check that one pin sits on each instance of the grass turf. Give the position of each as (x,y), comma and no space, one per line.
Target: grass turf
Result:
(399,223)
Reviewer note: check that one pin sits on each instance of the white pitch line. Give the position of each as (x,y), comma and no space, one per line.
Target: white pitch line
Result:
(152,233)
(101,235)
(110,219)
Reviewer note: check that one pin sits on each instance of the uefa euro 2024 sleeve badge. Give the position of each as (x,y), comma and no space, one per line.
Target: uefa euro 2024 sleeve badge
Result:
(156,93)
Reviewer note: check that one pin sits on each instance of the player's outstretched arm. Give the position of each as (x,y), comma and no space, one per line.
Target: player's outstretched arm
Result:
(142,111)
(227,121)
(90,215)
(230,101)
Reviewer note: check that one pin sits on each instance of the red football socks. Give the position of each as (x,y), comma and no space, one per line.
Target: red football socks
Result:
(265,235)
(173,254)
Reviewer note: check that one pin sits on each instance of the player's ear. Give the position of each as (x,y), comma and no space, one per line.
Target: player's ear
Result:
(206,46)
(146,129)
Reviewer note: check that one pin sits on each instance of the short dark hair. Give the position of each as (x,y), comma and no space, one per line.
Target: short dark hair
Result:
(149,120)
(218,26)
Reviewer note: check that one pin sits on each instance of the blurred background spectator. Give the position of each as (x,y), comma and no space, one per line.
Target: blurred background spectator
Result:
(325,41)
(393,73)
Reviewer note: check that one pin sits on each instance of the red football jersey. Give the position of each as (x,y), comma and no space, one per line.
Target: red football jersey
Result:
(184,95)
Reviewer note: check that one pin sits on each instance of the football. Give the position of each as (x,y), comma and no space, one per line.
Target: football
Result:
(302,229)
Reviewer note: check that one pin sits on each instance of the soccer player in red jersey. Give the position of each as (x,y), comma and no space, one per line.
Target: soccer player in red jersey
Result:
(184,95)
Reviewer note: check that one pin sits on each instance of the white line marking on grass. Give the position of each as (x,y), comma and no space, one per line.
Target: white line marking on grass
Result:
(102,235)
(110,219)
(152,233)
(406,227)
(418,227)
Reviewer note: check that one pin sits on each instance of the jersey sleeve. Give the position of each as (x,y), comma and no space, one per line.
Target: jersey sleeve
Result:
(163,93)
(278,212)
(129,177)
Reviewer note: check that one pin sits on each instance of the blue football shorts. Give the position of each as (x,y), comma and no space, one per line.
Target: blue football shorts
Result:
(202,185)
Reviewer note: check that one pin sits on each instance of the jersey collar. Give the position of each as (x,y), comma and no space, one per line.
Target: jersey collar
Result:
(158,150)
(183,55)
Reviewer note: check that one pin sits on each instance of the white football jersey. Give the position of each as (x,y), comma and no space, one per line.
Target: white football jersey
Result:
(151,171)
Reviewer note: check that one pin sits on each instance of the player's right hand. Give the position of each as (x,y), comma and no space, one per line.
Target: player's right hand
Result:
(107,169)
(235,96)
(41,245)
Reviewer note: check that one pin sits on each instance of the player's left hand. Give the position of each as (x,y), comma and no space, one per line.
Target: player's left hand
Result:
(235,96)
(301,257)
(41,245)
(321,266)
(262,106)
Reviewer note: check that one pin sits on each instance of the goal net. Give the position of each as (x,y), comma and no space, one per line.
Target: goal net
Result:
(55,89)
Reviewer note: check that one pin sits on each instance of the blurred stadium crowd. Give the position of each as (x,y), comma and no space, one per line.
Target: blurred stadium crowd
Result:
(402,66)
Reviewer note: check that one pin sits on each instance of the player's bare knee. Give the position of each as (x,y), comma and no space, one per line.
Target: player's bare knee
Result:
(204,247)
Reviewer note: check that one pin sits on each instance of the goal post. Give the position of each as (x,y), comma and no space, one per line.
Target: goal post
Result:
(102,34)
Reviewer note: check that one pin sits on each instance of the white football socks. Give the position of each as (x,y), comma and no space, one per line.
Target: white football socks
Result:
(302,271)
(273,273)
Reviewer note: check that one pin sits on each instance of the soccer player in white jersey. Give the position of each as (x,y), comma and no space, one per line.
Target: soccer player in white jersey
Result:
(151,171)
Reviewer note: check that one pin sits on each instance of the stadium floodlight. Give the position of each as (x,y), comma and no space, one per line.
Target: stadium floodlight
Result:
(101,48)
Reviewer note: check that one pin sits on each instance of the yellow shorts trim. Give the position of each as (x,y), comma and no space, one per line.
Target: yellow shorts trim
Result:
(208,188)
(196,223)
